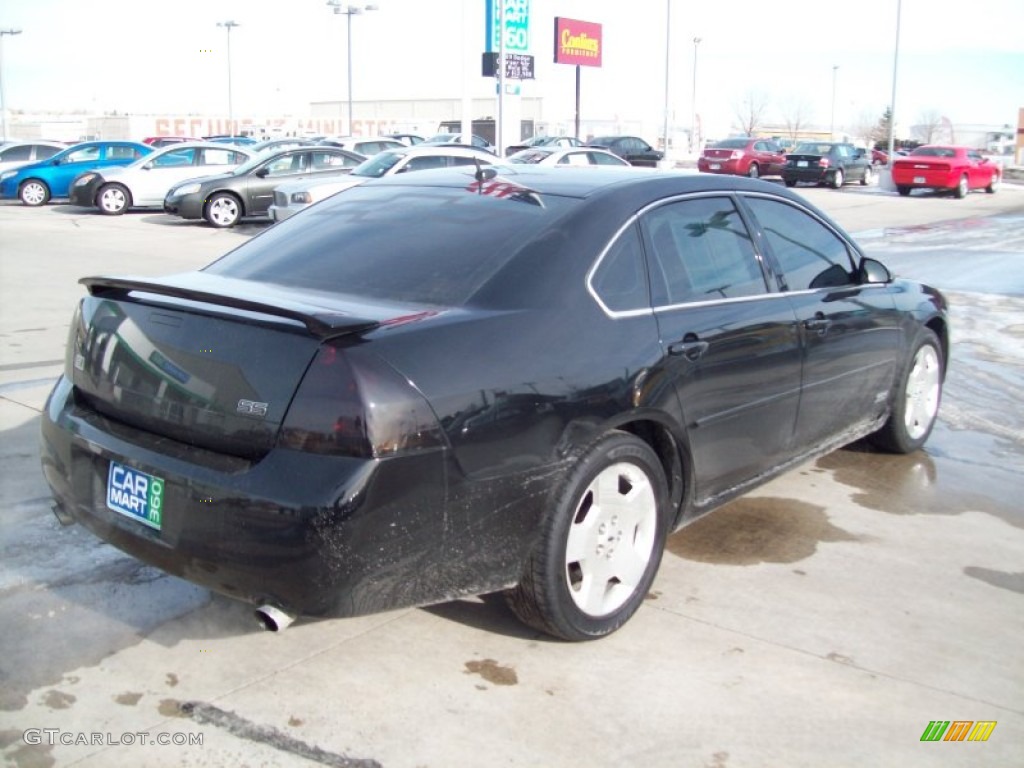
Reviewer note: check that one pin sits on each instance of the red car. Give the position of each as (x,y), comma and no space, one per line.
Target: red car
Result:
(743,156)
(163,141)
(956,169)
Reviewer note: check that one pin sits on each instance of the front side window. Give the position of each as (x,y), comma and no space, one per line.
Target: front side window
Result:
(701,251)
(810,254)
(83,155)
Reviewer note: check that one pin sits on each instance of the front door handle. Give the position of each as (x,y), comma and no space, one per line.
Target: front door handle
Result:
(818,324)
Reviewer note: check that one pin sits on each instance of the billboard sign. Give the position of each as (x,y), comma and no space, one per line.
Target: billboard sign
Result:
(577,42)
(517,26)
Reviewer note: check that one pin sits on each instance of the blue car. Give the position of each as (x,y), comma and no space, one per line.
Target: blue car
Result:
(35,184)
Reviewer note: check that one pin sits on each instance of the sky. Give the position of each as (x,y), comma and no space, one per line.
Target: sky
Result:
(964,61)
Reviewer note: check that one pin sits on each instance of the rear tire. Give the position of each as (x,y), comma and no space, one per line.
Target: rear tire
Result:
(915,400)
(962,188)
(904,191)
(789,182)
(993,184)
(869,176)
(600,544)
(837,178)
(753,171)
(113,199)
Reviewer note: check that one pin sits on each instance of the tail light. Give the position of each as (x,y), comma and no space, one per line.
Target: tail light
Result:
(352,403)
(823,162)
(736,154)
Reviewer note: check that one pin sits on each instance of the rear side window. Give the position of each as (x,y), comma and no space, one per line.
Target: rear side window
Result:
(175,158)
(23,152)
(121,152)
(810,254)
(620,280)
(701,251)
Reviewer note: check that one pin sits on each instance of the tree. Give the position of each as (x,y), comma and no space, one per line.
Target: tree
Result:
(928,123)
(881,133)
(750,111)
(796,116)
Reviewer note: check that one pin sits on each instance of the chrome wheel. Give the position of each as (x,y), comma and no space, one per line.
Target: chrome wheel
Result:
(837,178)
(113,199)
(993,185)
(611,539)
(869,176)
(223,211)
(34,193)
(962,188)
(753,172)
(922,392)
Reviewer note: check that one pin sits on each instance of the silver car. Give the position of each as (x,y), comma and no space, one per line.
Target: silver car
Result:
(291,198)
(14,154)
(566,156)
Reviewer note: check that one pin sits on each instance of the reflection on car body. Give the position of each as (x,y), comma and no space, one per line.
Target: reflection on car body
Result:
(515,379)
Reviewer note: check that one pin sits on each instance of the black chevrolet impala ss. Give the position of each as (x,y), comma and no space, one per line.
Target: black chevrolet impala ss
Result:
(450,383)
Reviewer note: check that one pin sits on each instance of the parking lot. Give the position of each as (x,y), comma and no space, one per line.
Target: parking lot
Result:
(825,619)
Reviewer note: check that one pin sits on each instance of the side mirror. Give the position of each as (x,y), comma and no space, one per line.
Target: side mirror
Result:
(262,173)
(874,272)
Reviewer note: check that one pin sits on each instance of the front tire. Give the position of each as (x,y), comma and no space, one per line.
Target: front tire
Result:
(224,210)
(113,199)
(600,544)
(34,193)
(837,178)
(916,399)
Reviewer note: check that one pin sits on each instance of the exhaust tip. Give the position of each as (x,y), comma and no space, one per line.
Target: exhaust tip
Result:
(62,514)
(273,619)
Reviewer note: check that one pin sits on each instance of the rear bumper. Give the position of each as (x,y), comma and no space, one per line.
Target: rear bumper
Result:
(924,179)
(311,534)
(806,175)
(708,165)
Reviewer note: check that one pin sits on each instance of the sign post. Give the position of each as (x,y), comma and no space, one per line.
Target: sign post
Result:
(577,42)
(507,26)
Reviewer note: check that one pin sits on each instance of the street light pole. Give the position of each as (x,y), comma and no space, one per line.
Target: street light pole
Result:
(349,11)
(668,48)
(892,105)
(693,100)
(832,125)
(229,25)
(3,101)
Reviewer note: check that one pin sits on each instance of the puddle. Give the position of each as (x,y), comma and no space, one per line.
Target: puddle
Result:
(492,672)
(1011,581)
(756,530)
(128,699)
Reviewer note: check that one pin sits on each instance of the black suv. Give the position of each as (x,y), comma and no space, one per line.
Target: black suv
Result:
(631,149)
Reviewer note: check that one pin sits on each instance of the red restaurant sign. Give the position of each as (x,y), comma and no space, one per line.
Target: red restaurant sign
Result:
(577,42)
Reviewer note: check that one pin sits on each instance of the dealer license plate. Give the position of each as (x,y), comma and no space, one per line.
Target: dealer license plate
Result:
(715,166)
(135,494)
(919,179)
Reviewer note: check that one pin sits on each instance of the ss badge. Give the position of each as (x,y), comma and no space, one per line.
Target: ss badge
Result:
(251,407)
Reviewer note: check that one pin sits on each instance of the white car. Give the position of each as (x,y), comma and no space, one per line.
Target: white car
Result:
(146,182)
(367,146)
(566,156)
(291,198)
(460,138)
(14,154)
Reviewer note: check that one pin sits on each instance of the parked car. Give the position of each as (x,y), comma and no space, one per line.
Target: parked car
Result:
(146,182)
(162,141)
(587,156)
(543,141)
(879,157)
(952,168)
(633,150)
(409,139)
(460,138)
(455,382)
(367,146)
(15,154)
(743,156)
(285,142)
(826,162)
(231,139)
(249,189)
(36,183)
(292,197)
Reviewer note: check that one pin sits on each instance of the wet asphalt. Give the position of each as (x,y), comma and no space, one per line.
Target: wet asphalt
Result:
(825,619)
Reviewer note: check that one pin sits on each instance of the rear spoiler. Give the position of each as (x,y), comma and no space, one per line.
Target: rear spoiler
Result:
(324,322)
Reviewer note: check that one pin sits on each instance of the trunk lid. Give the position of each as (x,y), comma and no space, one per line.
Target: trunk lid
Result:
(206,360)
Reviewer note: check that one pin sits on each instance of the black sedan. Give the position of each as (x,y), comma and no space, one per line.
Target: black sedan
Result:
(454,382)
(632,149)
(827,162)
(249,189)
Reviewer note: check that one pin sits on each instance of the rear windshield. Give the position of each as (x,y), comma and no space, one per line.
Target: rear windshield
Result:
(934,152)
(425,245)
(732,144)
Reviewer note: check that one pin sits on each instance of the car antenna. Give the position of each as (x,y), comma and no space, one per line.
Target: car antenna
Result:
(483,174)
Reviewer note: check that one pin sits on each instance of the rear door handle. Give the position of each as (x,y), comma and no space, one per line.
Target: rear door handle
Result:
(690,347)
